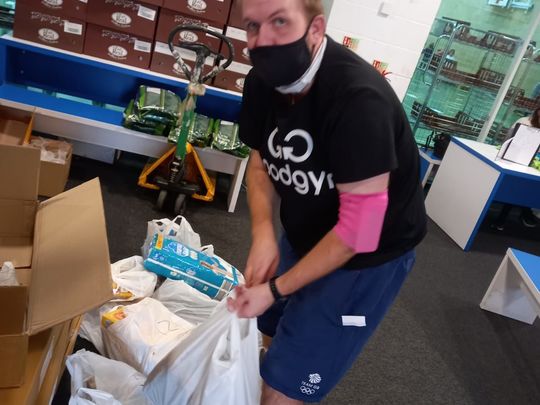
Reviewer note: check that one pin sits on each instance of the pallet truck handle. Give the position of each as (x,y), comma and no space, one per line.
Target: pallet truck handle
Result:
(201,50)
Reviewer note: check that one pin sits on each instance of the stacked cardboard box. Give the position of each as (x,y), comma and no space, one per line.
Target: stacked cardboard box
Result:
(53,244)
(60,24)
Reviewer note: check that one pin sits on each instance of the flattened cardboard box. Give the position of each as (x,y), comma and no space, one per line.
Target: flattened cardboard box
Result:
(117,46)
(213,10)
(60,251)
(164,62)
(64,8)
(124,16)
(169,19)
(48,28)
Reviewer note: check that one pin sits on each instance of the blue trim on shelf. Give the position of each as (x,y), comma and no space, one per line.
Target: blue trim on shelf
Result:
(45,101)
(530,264)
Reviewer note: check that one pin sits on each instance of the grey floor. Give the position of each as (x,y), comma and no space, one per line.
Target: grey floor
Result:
(436,346)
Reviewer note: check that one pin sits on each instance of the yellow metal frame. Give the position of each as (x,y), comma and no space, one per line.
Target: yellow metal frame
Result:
(209,183)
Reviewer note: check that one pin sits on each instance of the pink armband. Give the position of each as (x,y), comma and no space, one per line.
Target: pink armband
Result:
(361,218)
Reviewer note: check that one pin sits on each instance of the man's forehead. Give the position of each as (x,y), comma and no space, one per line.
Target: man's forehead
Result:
(258,7)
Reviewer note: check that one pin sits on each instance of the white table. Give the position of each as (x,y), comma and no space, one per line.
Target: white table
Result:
(468,180)
(428,161)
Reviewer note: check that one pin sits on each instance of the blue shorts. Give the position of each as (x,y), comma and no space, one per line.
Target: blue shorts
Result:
(320,330)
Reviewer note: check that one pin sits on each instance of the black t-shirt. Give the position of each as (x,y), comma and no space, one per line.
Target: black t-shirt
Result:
(350,126)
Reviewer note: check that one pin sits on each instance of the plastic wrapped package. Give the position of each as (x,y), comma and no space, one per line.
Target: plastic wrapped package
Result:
(8,277)
(178,229)
(154,111)
(51,150)
(225,139)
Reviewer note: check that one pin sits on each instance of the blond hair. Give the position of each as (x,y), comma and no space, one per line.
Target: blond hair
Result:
(311,7)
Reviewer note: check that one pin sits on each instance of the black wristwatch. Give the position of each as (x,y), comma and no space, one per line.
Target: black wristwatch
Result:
(273,288)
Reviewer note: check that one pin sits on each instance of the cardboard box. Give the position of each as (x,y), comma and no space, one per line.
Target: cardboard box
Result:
(213,10)
(164,62)
(48,28)
(235,17)
(233,77)
(124,16)
(117,46)
(64,347)
(52,175)
(64,8)
(169,19)
(238,39)
(40,354)
(60,251)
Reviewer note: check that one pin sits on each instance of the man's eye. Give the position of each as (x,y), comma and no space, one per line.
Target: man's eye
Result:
(279,22)
(252,26)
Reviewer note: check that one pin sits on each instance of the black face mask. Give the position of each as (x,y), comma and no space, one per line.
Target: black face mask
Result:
(280,65)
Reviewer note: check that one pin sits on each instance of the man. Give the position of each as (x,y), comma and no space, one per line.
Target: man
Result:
(330,138)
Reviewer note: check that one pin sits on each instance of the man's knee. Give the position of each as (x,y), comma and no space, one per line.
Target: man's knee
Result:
(272,397)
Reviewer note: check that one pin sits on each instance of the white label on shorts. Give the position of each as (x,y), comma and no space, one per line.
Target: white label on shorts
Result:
(147,13)
(72,28)
(142,46)
(353,320)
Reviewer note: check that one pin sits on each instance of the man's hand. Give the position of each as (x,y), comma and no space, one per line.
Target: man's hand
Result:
(251,302)
(262,261)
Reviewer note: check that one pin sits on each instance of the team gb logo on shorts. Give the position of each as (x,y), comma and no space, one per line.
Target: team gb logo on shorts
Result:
(315,378)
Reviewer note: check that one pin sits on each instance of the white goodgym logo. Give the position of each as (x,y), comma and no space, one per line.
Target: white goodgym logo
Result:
(48,35)
(300,180)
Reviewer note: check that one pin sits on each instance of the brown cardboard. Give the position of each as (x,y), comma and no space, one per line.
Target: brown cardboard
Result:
(52,175)
(118,47)
(126,16)
(238,39)
(235,17)
(69,270)
(169,19)
(64,8)
(213,10)
(13,350)
(64,347)
(233,77)
(34,363)
(164,62)
(48,28)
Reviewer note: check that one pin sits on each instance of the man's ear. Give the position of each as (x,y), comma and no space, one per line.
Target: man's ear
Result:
(318,28)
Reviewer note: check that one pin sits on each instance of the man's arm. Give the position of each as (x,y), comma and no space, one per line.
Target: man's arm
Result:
(329,254)
(263,256)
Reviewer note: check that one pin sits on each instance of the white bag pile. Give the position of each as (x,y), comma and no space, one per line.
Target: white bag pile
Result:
(190,347)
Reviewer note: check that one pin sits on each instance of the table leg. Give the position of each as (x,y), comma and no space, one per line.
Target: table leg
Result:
(236,184)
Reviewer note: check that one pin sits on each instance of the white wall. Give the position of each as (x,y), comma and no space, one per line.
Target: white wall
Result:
(388,31)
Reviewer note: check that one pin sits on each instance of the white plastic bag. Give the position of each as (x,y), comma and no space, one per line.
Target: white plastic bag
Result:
(217,363)
(178,229)
(8,276)
(185,301)
(90,328)
(131,280)
(101,381)
(146,334)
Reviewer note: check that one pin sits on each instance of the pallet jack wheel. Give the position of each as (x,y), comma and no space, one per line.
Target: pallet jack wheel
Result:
(160,203)
(180,204)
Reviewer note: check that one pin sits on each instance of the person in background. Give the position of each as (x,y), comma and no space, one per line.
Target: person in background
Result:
(329,137)
(528,216)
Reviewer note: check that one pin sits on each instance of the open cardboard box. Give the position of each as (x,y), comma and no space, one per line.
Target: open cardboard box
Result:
(53,175)
(60,251)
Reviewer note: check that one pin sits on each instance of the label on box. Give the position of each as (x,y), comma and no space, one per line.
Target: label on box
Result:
(117,52)
(73,28)
(198,6)
(155,90)
(143,46)
(239,68)
(147,13)
(83,1)
(236,33)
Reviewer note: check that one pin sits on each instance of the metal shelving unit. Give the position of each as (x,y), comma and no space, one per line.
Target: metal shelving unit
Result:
(457,79)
